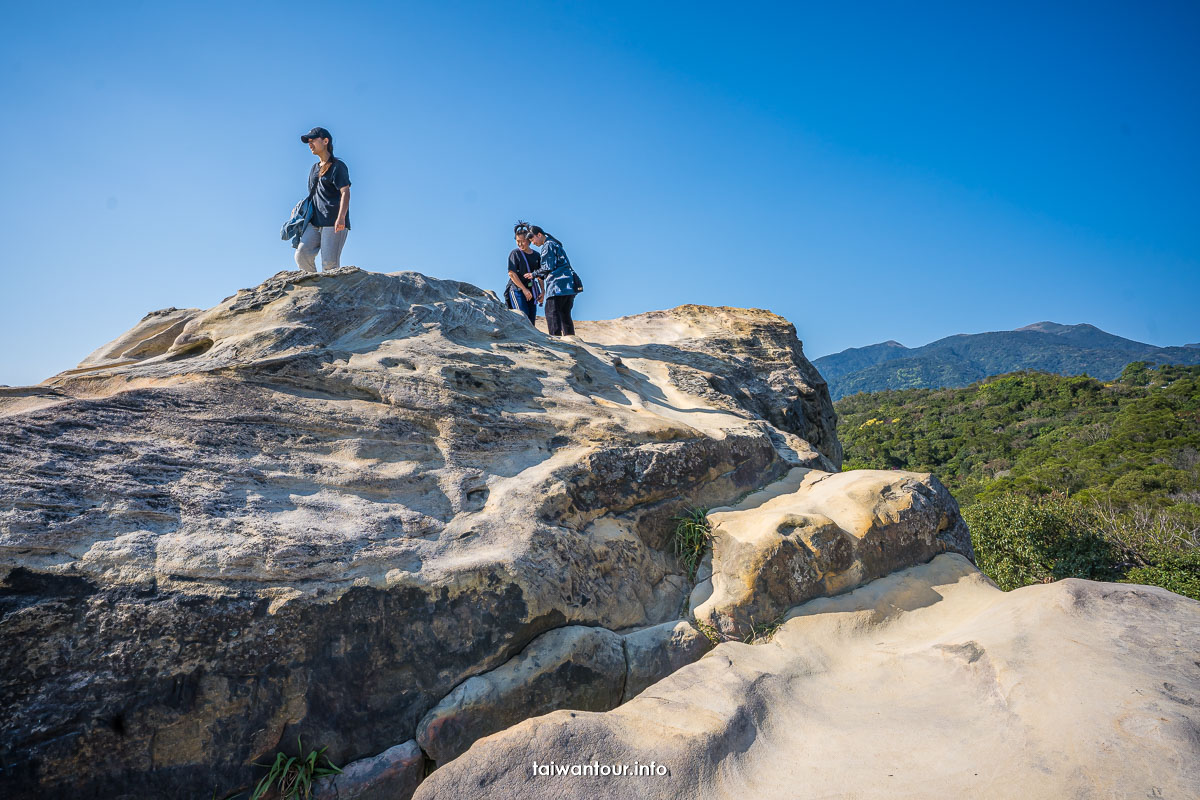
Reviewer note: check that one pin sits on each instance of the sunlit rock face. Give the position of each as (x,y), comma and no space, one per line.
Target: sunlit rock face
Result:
(318,507)
(929,682)
(817,533)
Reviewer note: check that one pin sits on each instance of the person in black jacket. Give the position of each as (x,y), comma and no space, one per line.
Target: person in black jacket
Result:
(329,186)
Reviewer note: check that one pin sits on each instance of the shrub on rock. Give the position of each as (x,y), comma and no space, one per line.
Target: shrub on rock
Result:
(1021,541)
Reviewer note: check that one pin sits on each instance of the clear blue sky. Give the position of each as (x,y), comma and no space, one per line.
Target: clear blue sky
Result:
(882,171)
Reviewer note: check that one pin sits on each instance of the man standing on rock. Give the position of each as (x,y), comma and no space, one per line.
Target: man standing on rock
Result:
(329,187)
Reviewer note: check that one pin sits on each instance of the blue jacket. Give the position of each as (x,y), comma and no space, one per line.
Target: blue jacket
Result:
(294,228)
(556,269)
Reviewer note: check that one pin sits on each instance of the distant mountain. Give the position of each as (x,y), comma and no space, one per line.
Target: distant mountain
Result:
(859,358)
(967,357)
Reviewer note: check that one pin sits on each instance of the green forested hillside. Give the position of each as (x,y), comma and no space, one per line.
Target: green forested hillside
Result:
(1108,471)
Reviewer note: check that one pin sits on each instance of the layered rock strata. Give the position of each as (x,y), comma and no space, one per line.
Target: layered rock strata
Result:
(319,507)
(592,669)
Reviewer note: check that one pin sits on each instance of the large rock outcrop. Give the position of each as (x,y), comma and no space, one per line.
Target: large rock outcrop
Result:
(321,506)
(384,514)
(929,682)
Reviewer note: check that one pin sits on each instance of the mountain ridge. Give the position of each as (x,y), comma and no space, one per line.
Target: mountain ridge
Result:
(959,359)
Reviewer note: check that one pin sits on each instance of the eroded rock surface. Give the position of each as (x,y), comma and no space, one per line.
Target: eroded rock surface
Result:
(653,653)
(572,667)
(392,775)
(817,533)
(322,505)
(929,682)
(576,667)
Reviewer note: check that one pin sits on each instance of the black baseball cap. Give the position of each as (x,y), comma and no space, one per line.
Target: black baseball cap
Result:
(316,133)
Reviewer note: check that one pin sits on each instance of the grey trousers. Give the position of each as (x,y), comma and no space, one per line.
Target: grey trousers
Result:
(324,241)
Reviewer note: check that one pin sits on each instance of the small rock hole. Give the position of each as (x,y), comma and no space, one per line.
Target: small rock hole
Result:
(195,349)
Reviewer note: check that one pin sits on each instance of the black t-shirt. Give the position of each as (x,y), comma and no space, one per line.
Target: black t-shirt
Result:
(521,262)
(327,194)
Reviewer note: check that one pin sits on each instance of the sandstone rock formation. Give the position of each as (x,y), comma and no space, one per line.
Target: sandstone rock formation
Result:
(579,667)
(384,514)
(817,533)
(394,773)
(570,667)
(653,653)
(321,506)
(929,682)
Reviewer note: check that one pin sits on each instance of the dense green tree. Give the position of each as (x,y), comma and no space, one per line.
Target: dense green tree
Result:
(1121,460)
(1021,540)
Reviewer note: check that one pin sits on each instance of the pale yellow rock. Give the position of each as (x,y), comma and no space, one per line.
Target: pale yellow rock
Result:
(151,337)
(816,533)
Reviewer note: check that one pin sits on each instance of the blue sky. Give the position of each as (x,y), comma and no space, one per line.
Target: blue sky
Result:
(871,172)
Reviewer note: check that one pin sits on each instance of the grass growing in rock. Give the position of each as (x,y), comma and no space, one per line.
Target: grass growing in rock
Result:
(710,632)
(759,633)
(692,535)
(763,631)
(292,776)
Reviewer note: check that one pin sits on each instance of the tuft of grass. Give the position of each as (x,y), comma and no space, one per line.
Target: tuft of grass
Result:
(692,535)
(293,776)
(763,631)
(709,631)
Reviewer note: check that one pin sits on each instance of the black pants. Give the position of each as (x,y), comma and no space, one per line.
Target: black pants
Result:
(558,315)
